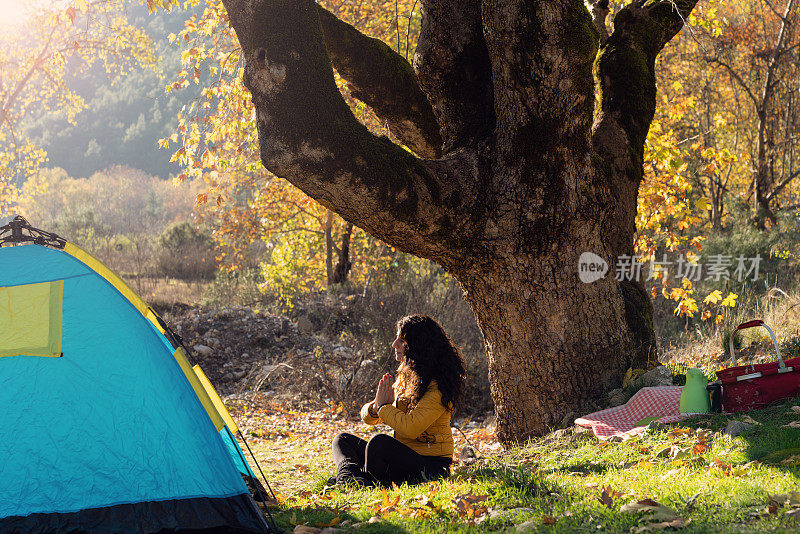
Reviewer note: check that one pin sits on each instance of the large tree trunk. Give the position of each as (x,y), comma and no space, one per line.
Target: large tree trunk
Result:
(554,343)
(520,173)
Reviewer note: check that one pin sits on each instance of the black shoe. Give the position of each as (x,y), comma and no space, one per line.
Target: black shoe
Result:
(350,473)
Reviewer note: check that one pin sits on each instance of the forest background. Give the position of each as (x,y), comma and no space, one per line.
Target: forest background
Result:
(126,129)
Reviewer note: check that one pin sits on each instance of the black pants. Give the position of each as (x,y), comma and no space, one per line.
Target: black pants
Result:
(384,460)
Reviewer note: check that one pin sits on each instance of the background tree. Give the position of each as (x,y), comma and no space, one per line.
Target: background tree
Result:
(245,204)
(35,71)
(741,66)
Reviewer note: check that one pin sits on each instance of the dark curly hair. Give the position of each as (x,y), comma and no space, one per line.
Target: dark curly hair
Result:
(430,355)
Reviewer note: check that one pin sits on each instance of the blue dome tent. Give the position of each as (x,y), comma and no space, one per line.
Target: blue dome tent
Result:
(104,426)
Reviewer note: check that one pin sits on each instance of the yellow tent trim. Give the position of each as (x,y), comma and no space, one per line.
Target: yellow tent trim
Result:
(100,268)
(208,404)
(215,398)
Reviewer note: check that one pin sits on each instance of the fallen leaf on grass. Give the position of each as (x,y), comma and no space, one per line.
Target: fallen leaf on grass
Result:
(665,452)
(786,499)
(719,465)
(548,520)
(333,522)
(305,529)
(656,511)
(795,409)
(701,447)
(676,523)
(388,503)
(793,424)
(677,432)
(469,506)
(608,495)
(749,420)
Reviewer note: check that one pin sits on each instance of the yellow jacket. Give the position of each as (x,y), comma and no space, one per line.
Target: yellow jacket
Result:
(425,429)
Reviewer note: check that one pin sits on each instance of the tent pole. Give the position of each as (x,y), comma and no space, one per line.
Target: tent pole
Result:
(260,490)
(257,465)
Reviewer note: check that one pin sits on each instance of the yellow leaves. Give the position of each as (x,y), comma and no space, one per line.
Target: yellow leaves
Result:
(179,156)
(703,204)
(730,300)
(71,14)
(713,297)
(630,375)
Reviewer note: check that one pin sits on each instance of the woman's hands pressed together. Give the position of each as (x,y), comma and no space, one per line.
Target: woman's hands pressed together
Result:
(385,392)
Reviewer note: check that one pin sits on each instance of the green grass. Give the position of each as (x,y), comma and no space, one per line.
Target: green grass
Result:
(719,484)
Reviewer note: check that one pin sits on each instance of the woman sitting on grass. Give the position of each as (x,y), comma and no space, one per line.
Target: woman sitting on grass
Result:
(418,407)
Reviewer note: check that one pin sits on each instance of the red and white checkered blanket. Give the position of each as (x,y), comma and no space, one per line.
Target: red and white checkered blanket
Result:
(661,402)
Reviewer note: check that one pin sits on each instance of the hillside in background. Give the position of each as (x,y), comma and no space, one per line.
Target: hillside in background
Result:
(123,120)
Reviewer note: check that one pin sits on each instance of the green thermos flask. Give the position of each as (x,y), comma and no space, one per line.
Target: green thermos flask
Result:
(694,397)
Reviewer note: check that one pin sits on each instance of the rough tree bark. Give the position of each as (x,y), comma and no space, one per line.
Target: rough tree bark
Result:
(520,173)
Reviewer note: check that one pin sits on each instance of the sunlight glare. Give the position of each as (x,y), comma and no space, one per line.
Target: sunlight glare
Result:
(13,13)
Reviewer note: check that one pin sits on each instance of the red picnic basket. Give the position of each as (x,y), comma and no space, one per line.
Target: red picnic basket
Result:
(750,387)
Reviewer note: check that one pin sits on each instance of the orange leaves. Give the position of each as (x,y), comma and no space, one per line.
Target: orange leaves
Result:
(332,523)
(388,502)
(470,507)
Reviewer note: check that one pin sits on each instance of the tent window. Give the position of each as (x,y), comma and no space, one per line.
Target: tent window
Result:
(30,319)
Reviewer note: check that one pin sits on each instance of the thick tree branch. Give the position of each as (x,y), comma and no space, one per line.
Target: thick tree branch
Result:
(309,136)
(625,74)
(774,193)
(625,69)
(384,80)
(454,71)
(35,65)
